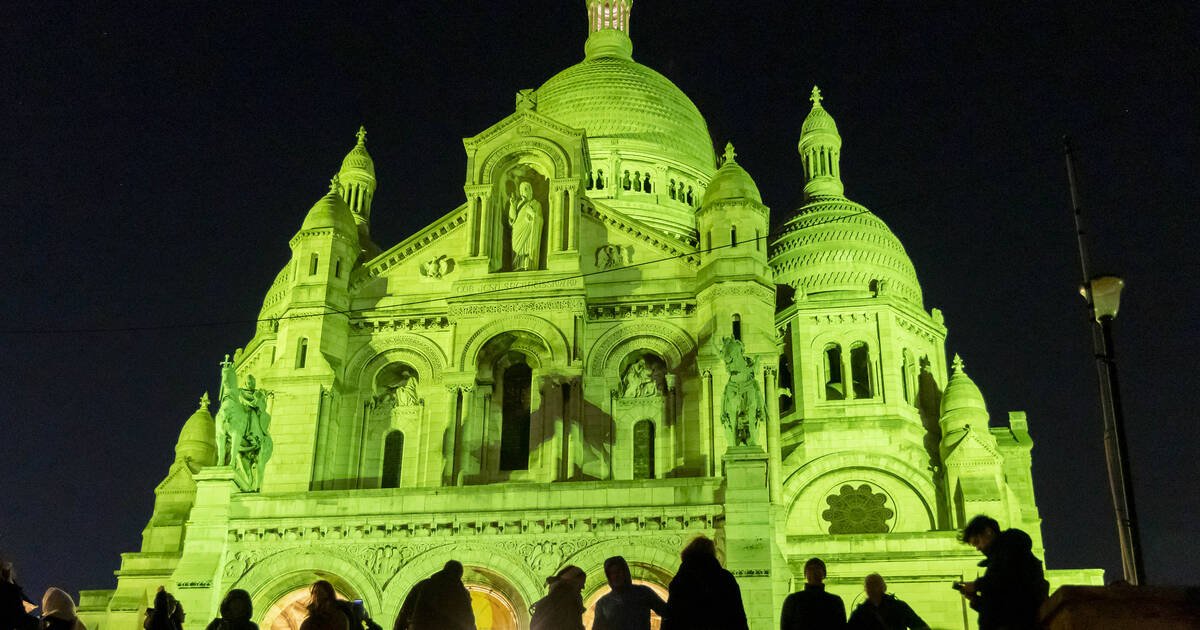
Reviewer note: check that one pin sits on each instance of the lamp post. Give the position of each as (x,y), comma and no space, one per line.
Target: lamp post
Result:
(1103,295)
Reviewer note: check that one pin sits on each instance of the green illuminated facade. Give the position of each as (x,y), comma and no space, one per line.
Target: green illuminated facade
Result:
(542,377)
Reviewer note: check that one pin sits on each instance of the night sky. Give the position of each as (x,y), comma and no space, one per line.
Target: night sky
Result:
(160,158)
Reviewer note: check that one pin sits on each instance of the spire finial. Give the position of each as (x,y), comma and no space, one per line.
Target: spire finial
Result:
(816,96)
(362,135)
(204,402)
(335,185)
(729,153)
(958,364)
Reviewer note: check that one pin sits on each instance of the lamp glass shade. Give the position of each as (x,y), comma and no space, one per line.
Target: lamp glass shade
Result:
(1106,296)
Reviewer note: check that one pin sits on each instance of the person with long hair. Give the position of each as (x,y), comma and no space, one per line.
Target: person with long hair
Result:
(323,613)
(561,608)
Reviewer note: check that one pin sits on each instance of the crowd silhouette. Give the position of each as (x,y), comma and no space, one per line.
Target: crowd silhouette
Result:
(703,595)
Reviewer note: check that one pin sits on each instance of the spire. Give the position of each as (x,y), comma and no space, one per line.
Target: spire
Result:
(357,177)
(335,185)
(820,150)
(608,29)
(204,401)
(362,136)
(958,365)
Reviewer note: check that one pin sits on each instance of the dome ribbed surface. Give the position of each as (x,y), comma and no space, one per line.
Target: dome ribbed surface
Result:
(330,212)
(818,120)
(834,244)
(197,439)
(359,159)
(732,182)
(962,394)
(611,97)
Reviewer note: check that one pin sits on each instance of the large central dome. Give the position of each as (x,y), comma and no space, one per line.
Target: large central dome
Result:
(611,97)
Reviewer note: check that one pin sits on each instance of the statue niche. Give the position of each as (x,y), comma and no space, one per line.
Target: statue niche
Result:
(523,197)
(397,385)
(643,377)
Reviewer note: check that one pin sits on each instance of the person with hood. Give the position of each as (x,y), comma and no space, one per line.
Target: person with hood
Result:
(58,611)
(882,611)
(166,614)
(561,608)
(13,612)
(323,612)
(1013,586)
(236,610)
(813,608)
(703,595)
(444,603)
(628,606)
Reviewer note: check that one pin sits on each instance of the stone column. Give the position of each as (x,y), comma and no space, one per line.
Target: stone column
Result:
(450,437)
(750,546)
(772,413)
(707,422)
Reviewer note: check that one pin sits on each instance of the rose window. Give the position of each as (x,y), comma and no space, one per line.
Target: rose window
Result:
(857,511)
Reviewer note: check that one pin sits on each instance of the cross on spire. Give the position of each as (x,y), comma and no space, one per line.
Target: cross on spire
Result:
(816,96)
(335,184)
(362,135)
(958,364)
(729,153)
(204,401)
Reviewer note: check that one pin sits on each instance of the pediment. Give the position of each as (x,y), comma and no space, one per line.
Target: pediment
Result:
(525,130)
(636,232)
(974,445)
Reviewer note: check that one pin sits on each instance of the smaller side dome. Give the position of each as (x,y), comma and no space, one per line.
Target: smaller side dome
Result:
(358,159)
(331,211)
(197,439)
(962,402)
(731,181)
(818,120)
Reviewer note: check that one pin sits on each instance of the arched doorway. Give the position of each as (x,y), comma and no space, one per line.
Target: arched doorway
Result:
(289,611)
(492,609)
(590,604)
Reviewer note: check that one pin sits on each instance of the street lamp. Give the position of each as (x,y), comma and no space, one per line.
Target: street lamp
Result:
(1103,295)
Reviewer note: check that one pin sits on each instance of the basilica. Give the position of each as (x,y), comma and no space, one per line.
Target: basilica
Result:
(603,350)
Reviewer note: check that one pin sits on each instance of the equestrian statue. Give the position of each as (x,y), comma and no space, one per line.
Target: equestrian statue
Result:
(241,422)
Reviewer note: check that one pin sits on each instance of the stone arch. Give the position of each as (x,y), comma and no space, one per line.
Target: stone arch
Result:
(419,352)
(553,338)
(548,155)
(667,340)
(909,488)
(506,572)
(292,569)
(645,560)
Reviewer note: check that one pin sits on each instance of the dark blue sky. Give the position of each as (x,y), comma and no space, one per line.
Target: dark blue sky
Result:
(161,157)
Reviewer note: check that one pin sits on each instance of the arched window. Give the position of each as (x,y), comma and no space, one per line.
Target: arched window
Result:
(646,183)
(737,326)
(514,430)
(393,459)
(312,265)
(907,374)
(643,450)
(600,179)
(301,352)
(860,370)
(835,386)
(733,236)
(337,268)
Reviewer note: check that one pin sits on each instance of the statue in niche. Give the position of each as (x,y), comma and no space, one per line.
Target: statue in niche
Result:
(241,423)
(525,218)
(742,402)
(400,390)
(639,380)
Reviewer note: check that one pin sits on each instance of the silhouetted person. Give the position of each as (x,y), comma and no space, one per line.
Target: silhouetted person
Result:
(628,606)
(1012,588)
(404,617)
(12,601)
(703,595)
(235,612)
(58,611)
(883,611)
(444,603)
(323,612)
(561,608)
(813,608)
(166,614)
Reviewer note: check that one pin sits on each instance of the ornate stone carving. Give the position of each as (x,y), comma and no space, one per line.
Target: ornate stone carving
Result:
(857,511)
(525,216)
(613,256)
(408,248)
(666,340)
(742,402)
(517,306)
(418,347)
(640,380)
(686,251)
(666,308)
(242,424)
(438,267)
(239,562)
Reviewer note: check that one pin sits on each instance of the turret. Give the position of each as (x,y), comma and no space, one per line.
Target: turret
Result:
(197,443)
(821,150)
(357,176)
(608,29)
(733,224)
(972,463)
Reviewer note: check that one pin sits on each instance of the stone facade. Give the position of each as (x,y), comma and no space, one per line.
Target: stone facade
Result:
(536,379)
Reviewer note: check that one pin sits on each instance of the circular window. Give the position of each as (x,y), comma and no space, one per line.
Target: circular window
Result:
(857,508)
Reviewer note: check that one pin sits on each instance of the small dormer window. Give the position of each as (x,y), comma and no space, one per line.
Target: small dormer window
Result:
(312,265)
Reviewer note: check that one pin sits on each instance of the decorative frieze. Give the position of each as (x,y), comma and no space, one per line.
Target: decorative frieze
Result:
(395,324)
(666,308)
(517,306)
(843,318)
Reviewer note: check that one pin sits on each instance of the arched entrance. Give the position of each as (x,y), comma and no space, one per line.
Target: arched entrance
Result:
(590,604)
(492,609)
(289,611)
